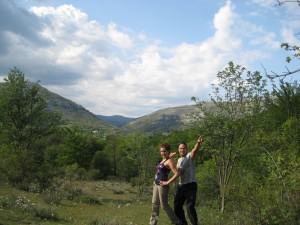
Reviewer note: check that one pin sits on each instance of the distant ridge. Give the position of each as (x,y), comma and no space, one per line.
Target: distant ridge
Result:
(163,120)
(116,120)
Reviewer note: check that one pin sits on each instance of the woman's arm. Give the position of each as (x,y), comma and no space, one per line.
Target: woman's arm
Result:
(171,164)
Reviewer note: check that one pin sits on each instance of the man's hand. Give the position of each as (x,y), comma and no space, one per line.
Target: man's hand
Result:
(200,139)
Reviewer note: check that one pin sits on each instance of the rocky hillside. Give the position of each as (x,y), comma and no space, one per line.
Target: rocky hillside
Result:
(162,120)
(74,114)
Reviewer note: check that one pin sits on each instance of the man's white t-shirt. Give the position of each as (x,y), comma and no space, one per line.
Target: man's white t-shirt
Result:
(186,168)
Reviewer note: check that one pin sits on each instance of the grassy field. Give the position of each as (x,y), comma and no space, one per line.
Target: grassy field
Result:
(98,203)
(91,203)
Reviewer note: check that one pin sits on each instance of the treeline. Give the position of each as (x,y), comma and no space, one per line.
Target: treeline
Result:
(248,165)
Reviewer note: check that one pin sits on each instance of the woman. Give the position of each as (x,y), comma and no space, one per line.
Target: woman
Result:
(161,186)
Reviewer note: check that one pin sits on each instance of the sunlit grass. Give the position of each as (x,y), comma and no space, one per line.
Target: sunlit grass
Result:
(99,203)
(118,204)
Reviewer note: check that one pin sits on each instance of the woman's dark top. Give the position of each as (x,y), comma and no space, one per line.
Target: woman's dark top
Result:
(162,172)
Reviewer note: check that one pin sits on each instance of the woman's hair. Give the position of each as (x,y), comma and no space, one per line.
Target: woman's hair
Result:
(166,146)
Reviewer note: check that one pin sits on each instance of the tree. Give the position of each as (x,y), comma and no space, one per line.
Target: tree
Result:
(112,151)
(25,122)
(284,100)
(78,148)
(136,158)
(279,141)
(228,122)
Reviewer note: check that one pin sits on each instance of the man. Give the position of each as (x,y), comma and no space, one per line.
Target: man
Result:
(187,188)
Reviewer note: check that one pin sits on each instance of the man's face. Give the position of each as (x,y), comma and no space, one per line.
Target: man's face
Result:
(182,150)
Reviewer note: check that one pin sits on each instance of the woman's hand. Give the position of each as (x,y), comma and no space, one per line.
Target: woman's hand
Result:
(172,155)
(163,183)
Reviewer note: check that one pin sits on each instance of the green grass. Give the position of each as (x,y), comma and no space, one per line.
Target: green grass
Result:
(98,203)
(118,204)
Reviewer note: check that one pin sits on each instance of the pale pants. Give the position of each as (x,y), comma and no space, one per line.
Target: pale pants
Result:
(160,197)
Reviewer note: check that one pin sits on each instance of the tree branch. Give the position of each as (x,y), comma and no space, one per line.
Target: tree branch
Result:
(280,3)
(283,74)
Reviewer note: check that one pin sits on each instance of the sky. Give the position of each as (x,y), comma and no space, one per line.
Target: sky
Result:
(134,57)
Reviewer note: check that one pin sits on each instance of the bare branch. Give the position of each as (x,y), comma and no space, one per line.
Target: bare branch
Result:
(283,74)
(280,3)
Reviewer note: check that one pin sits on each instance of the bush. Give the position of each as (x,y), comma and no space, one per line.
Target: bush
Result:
(26,206)
(52,197)
(87,199)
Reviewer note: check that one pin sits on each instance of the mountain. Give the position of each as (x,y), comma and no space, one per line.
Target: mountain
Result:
(116,120)
(164,120)
(74,114)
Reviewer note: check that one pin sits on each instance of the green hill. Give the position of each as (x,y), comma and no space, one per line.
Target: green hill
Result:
(74,114)
(163,120)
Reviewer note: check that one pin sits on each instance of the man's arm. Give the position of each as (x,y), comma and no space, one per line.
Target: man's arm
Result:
(196,147)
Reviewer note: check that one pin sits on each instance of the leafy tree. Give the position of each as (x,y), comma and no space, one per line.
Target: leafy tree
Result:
(279,142)
(25,122)
(284,100)
(78,148)
(101,165)
(273,188)
(136,158)
(111,147)
(269,170)
(229,120)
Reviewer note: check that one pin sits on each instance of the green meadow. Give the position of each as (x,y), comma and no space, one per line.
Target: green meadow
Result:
(87,203)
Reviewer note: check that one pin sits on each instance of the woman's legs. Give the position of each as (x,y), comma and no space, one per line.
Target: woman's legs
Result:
(163,195)
(155,205)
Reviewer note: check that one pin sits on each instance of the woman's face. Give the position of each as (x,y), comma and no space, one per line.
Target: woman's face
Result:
(163,152)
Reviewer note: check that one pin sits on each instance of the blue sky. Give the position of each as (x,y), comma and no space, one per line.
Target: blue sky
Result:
(134,57)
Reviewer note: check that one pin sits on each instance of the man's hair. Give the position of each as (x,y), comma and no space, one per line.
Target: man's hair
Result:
(166,146)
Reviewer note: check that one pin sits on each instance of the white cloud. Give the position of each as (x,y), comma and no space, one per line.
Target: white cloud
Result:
(289,36)
(110,70)
(122,40)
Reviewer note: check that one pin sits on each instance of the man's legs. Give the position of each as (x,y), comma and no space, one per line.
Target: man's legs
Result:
(179,200)
(190,203)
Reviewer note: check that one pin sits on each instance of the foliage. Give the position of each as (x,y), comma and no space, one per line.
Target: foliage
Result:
(136,157)
(25,123)
(24,118)
(229,123)
(293,48)
(285,100)
(24,205)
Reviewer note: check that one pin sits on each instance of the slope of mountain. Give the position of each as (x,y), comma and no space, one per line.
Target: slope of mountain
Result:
(74,114)
(116,120)
(162,120)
